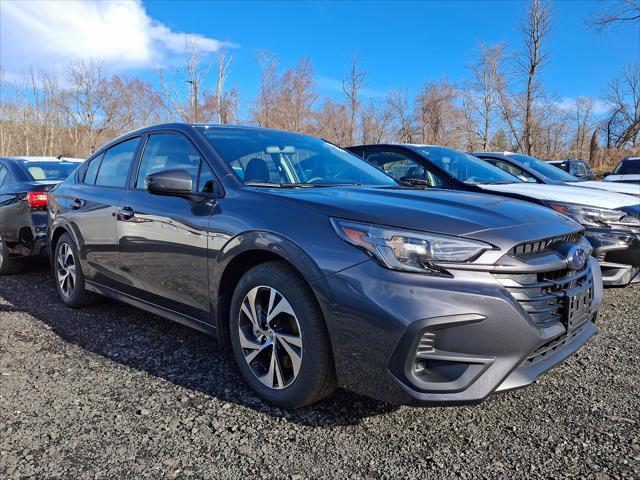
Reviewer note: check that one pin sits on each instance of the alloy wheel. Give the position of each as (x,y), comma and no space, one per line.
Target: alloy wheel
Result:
(270,337)
(66,270)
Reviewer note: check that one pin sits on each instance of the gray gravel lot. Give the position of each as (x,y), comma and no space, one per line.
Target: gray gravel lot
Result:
(113,392)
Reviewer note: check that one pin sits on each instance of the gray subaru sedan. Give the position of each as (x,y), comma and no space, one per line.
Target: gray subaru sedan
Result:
(318,270)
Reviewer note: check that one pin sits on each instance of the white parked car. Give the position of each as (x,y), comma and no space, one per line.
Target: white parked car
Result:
(611,220)
(532,170)
(627,171)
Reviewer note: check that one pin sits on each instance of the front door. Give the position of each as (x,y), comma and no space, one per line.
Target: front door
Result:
(163,239)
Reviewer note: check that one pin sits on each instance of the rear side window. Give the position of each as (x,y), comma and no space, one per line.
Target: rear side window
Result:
(115,164)
(168,151)
(89,172)
(3,174)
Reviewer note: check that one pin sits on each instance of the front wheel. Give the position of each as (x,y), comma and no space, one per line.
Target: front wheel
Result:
(68,274)
(280,341)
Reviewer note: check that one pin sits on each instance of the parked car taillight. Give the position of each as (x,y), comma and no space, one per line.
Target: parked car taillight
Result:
(37,199)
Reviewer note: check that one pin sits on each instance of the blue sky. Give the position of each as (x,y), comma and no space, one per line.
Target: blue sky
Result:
(400,44)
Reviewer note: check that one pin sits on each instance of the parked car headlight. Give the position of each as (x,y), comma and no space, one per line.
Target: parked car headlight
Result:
(408,250)
(595,217)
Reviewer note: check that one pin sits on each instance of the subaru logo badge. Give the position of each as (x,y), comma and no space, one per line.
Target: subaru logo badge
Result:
(577,257)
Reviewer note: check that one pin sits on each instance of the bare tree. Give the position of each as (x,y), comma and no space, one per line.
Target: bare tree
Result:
(224,64)
(263,110)
(437,117)
(194,72)
(89,98)
(481,98)
(614,13)
(623,97)
(583,110)
(376,120)
(405,130)
(536,27)
(351,86)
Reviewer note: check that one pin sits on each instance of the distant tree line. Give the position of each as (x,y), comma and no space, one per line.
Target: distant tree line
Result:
(502,106)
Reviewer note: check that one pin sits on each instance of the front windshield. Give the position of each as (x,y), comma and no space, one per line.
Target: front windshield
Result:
(267,157)
(630,166)
(544,168)
(465,167)
(47,171)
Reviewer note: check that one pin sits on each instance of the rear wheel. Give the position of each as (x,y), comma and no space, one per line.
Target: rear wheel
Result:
(8,265)
(68,274)
(279,337)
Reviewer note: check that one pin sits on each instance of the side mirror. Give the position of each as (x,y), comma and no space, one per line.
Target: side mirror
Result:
(606,174)
(169,182)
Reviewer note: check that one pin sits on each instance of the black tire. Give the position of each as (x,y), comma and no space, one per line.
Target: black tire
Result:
(8,265)
(74,294)
(316,376)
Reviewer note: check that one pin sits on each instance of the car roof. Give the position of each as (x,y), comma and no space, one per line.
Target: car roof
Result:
(182,127)
(635,159)
(47,159)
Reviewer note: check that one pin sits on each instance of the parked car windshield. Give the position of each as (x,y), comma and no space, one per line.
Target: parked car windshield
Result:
(268,157)
(544,168)
(45,171)
(465,167)
(630,166)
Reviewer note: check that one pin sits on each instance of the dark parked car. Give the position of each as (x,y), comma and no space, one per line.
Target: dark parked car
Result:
(612,220)
(627,171)
(24,183)
(576,167)
(319,270)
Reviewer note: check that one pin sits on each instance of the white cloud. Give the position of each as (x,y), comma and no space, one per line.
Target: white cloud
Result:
(50,34)
(568,104)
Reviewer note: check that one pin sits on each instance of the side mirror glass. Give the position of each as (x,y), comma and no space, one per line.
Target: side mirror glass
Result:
(170,182)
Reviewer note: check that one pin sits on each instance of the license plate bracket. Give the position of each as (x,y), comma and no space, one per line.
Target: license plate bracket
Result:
(577,307)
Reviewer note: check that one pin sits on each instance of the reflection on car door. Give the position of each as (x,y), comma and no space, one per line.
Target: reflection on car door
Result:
(91,206)
(162,238)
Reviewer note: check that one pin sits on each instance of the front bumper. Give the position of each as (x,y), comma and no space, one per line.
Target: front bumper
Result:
(483,339)
(618,253)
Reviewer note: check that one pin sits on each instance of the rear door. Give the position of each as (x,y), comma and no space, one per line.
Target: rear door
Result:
(162,238)
(91,205)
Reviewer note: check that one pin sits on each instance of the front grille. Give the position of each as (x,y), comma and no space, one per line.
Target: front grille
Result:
(547,297)
(543,246)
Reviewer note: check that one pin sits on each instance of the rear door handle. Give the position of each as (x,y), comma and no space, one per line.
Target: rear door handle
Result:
(125,213)
(76,203)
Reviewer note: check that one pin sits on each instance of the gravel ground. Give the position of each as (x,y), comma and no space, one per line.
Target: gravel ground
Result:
(113,392)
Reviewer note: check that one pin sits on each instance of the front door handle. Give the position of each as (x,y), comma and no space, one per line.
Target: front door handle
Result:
(125,213)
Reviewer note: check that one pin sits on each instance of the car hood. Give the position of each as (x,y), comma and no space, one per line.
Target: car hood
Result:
(566,194)
(626,188)
(431,210)
(622,178)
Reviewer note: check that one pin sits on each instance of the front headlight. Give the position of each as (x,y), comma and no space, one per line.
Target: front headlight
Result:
(595,217)
(405,249)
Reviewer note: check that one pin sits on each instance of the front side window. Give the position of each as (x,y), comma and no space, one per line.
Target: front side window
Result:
(114,168)
(512,169)
(628,167)
(403,168)
(266,157)
(168,151)
(464,167)
(544,168)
